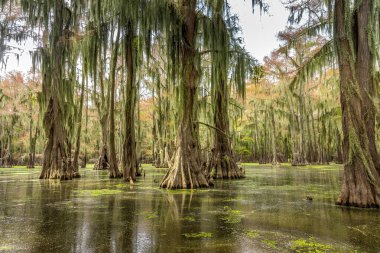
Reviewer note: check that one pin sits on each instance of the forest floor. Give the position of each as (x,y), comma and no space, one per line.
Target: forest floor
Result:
(269,211)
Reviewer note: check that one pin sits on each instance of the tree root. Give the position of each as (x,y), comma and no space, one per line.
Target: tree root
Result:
(185,172)
(358,189)
(102,163)
(223,166)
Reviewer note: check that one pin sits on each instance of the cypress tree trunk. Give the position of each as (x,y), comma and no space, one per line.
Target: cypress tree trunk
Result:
(300,156)
(31,139)
(79,131)
(56,163)
(360,181)
(265,146)
(138,142)
(113,168)
(84,162)
(257,134)
(274,150)
(339,152)
(129,158)
(365,77)
(103,163)
(102,105)
(185,170)
(315,144)
(223,162)
(32,154)
(159,128)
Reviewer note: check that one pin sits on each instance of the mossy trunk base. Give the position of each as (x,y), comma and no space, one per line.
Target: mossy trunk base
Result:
(224,166)
(185,172)
(357,189)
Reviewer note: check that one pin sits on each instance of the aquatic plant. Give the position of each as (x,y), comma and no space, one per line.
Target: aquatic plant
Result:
(198,235)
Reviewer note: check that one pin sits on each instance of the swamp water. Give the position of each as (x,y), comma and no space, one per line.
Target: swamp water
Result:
(268,211)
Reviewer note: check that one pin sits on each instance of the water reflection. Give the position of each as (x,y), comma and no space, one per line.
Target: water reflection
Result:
(266,212)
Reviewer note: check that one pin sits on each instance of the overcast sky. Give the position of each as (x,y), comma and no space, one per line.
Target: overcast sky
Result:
(259,32)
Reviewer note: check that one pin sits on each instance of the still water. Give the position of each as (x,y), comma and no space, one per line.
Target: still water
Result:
(268,211)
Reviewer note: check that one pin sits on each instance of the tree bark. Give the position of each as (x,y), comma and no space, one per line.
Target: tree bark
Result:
(32,138)
(84,161)
(365,77)
(103,163)
(56,162)
(129,157)
(360,181)
(223,162)
(185,170)
(79,131)
(113,168)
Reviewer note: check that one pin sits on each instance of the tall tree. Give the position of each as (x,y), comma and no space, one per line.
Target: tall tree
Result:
(186,168)
(223,161)
(352,41)
(56,163)
(361,181)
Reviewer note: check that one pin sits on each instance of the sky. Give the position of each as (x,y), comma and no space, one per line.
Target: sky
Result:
(258,31)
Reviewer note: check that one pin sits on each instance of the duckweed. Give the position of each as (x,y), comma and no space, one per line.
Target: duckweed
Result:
(198,235)
(252,234)
(231,216)
(270,243)
(188,218)
(99,192)
(302,246)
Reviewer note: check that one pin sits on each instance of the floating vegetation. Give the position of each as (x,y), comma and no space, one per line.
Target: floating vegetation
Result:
(121,186)
(151,216)
(302,246)
(188,218)
(99,192)
(232,199)
(270,243)
(231,216)
(252,234)
(7,248)
(198,235)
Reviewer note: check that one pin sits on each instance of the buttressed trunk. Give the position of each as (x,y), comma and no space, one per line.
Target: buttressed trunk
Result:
(223,162)
(55,163)
(361,186)
(185,170)
(102,163)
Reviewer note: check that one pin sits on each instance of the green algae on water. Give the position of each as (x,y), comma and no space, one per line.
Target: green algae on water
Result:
(270,243)
(198,235)
(231,216)
(98,192)
(7,248)
(302,245)
(153,215)
(188,218)
(252,234)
